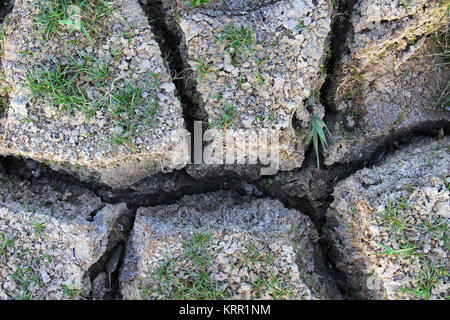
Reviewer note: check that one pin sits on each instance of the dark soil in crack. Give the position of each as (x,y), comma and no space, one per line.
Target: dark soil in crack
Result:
(340,28)
(6,7)
(104,274)
(308,190)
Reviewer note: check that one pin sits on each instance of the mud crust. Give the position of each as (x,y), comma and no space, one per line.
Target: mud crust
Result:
(168,188)
(313,198)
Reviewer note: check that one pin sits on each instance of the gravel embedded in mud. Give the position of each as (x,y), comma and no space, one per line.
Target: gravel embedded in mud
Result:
(261,83)
(107,104)
(102,137)
(219,245)
(388,226)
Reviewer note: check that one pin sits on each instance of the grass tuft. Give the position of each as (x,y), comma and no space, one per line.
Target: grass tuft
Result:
(196,3)
(56,86)
(129,107)
(237,40)
(316,126)
(174,281)
(64,86)
(57,16)
(227,117)
(202,69)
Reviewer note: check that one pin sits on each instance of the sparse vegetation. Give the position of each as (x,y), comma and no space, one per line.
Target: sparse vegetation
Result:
(188,284)
(2,40)
(89,69)
(394,216)
(316,126)
(6,244)
(260,70)
(202,69)
(188,277)
(348,95)
(396,219)
(28,282)
(277,286)
(4,89)
(323,71)
(227,117)
(57,87)
(446,183)
(443,52)
(405,4)
(300,24)
(356,75)
(237,40)
(58,17)
(71,293)
(196,3)
(129,105)
(25,276)
(37,228)
(304,134)
(428,279)
(60,86)
(26,256)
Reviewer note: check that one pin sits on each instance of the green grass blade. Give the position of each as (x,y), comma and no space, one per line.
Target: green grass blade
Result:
(86,34)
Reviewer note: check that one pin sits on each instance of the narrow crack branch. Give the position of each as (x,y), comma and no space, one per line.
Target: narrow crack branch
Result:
(171,42)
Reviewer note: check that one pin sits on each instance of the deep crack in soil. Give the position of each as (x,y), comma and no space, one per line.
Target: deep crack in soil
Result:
(312,199)
(168,188)
(169,37)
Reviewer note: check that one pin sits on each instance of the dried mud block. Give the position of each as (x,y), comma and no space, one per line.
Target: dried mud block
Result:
(90,92)
(231,248)
(390,79)
(387,227)
(49,240)
(254,64)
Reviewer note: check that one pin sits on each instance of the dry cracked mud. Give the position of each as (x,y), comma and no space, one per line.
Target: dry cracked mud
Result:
(99,109)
